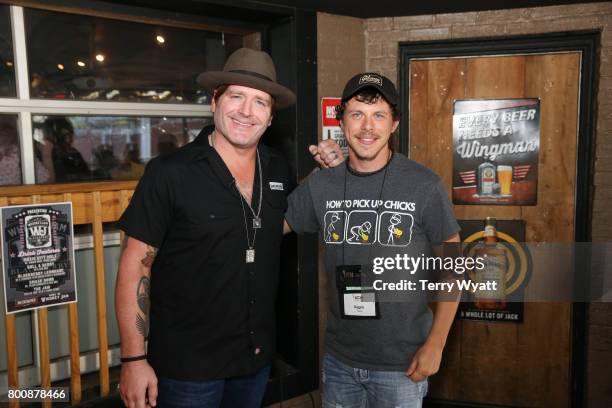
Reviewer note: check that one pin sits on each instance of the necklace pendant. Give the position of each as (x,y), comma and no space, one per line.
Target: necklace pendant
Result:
(250,255)
(256,223)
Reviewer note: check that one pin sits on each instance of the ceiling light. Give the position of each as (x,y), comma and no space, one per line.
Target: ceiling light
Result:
(9,63)
(100,57)
(80,64)
(60,67)
(160,39)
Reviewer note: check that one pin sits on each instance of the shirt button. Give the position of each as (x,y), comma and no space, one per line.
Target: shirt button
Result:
(257,351)
(252,333)
(252,302)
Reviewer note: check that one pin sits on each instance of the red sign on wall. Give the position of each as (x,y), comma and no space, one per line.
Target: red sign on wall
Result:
(331,126)
(328,111)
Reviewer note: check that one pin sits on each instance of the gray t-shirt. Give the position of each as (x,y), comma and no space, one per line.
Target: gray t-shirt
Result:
(398,209)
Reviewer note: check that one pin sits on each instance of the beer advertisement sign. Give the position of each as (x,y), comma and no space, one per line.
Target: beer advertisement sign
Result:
(496,145)
(331,125)
(37,256)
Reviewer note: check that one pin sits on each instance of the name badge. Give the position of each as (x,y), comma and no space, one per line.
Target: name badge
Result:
(356,301)
(276,186)
(360,304)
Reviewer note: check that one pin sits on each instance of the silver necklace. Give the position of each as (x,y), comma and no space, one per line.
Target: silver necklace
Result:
(256,217)
(250,252)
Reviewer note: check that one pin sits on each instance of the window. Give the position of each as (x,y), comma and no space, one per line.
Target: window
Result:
(10,151)
(89,58)
(7,60)
(85,148)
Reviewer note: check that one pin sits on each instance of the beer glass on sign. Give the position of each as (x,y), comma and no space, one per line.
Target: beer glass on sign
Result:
(504,175)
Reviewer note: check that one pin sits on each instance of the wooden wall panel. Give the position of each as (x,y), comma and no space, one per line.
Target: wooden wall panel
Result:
(497,342)
(446,83)
(434,86)
(419,118)
(500,363)
(553,78)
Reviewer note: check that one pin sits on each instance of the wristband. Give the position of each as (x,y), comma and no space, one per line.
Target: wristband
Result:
(136,358)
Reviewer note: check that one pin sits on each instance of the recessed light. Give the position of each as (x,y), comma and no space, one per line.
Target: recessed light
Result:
(160,39)
(100,57)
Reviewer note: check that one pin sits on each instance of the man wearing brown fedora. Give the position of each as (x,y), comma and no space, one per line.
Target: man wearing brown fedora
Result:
(200,230)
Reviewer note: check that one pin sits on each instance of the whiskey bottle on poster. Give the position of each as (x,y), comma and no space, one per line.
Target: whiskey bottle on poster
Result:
(486,179)
(494,272)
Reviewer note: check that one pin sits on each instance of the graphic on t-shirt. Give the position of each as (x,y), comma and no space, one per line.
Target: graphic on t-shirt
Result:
(395,228)
(361,227)
(334,227)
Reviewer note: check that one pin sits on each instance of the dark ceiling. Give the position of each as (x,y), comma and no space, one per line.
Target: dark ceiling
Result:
(356,8)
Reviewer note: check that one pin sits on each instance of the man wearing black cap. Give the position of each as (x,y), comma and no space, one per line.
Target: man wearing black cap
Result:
(378,353)
(200,229)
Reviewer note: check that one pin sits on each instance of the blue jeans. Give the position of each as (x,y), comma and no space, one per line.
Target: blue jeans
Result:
(235,392)
(348,387)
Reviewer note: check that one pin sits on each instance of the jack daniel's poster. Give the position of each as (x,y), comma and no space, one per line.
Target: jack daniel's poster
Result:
(496,145)
(508,263)
(37,256)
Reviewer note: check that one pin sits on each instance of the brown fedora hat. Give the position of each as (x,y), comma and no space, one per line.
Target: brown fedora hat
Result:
(251,68)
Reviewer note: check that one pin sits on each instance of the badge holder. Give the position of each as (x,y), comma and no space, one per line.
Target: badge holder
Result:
(356,301)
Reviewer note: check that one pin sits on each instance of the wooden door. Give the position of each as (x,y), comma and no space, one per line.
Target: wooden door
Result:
(514,364)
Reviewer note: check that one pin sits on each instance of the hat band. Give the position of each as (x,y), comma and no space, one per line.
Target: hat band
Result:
(251,73)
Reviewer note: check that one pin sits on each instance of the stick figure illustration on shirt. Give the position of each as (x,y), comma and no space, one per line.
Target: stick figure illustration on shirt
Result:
(330,232)
(361,232)
(394,232)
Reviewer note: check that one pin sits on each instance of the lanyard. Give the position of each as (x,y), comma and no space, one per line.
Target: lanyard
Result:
(380,195)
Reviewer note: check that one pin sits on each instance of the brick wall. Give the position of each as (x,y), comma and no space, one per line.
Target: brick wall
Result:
(382,36)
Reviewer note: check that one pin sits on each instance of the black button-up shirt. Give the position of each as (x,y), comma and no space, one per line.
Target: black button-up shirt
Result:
(212,313)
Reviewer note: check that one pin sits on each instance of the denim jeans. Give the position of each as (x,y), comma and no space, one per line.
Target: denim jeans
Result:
(348,387)
(235,392)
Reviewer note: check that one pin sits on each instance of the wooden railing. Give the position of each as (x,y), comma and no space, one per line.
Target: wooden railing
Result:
(92,203)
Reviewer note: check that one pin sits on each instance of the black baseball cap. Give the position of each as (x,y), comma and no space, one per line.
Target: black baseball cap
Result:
(370,80)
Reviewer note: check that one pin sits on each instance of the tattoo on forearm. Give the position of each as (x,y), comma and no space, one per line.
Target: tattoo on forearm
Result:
(149,256)
(142,298)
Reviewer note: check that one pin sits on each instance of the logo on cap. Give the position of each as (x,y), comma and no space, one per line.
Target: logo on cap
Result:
(370,79)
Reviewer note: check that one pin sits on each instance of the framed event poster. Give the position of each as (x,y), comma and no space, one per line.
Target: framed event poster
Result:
(495,151)
(37,256)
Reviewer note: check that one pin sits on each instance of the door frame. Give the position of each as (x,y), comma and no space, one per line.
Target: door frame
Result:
(587,43)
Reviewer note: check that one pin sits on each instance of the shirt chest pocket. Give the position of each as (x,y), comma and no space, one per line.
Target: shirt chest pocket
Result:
(214,222)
